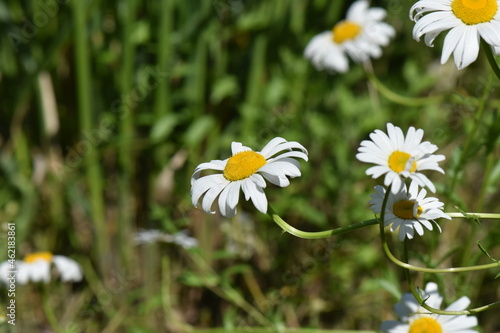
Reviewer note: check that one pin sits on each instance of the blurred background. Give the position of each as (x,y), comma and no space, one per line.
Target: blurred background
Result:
(108,106)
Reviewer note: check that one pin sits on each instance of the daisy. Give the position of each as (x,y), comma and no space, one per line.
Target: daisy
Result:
(416,319)
(246,170)
(398,157)
(36,267)
(180,238)
(360,36)
(469,20)
(408,210)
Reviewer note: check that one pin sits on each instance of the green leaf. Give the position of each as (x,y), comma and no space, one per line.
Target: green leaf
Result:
(164,127)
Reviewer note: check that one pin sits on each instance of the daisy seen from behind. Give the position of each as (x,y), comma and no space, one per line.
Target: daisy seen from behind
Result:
(468,22)
(408,209)
(246,170)
(416,319)
(36,267)
(398,156)
(360,36)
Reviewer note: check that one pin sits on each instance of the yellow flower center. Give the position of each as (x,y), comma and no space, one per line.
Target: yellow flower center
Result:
(345,30)
(474,11)
(243,165)
(404,209)
(425,325)
(38,256)
(398,160)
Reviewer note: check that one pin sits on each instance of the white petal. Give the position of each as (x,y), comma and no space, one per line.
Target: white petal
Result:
(69,269)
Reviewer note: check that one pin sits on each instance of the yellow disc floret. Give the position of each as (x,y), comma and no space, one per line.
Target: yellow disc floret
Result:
(345,30)
(404,209)
(38,256)
(474,11)
(398,160)
(425,325)
(243,165)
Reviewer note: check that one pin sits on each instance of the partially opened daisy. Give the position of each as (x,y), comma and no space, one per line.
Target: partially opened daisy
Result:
(361,36)
(36,267)
(397,156)
(408,210)
(416,319)
(246,170)
(467,20)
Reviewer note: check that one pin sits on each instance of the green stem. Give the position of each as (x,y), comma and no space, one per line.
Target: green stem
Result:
(93,171)
(319,234)
(127,15)
(49,312)
(396,98)
(421,301)
(491,58)
(433,270)
(474,215)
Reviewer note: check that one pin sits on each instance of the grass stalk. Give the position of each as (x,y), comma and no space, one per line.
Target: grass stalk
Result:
(127,10)
(92,168)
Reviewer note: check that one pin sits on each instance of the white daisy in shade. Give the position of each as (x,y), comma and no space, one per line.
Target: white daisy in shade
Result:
(151,236)
(416,319)
(397,156)
(408,210)
(467,20)
(36,267)
(360,36)
(246,170)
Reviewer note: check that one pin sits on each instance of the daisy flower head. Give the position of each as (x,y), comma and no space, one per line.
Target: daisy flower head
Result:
(408,209)
(152,236)
(36,267)
(246,170)
(360,36)
(397,156)
(467,20)
(416,319)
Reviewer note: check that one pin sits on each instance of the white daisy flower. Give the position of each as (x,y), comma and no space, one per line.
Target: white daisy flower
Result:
(36,267)
(360,36)
(246,170)
(180,238)
(469,20)
(408,210)
(416,319)
(398,157)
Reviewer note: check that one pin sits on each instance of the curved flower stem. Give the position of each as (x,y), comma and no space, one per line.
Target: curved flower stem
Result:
(319,234)
(491,58)
(422,303)
(396,98)
(433,270)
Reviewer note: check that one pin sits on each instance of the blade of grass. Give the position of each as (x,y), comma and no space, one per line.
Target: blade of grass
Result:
(84,98)
(127,13)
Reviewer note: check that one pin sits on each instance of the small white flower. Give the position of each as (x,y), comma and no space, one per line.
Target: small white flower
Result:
(180,238)
(36,267)
(416,319)
(360,36)
(246,170)
(469,20)
(397,156)
(408,210)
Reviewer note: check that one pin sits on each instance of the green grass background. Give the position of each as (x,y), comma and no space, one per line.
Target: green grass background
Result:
(108,106)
